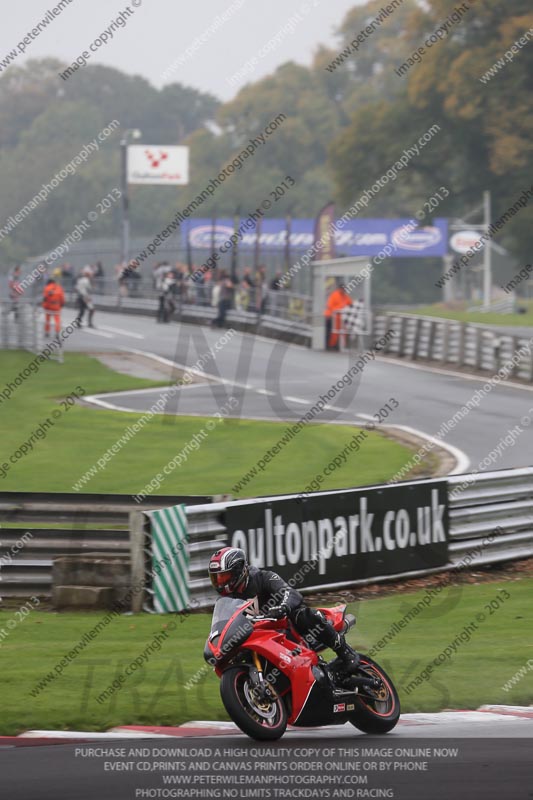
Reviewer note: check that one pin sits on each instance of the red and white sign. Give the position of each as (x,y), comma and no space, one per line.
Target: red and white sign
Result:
(158,164)
(463,241)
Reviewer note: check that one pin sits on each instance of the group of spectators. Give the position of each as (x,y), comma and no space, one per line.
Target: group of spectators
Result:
(217,288)
(247,290)
(51,286)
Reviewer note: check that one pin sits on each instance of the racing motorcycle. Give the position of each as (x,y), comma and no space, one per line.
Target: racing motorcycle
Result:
(270,676)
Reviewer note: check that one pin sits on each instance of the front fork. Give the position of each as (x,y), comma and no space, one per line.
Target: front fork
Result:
(262,689)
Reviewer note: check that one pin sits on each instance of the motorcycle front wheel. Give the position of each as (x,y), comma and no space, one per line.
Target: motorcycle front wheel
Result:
(377,710)
(262,719)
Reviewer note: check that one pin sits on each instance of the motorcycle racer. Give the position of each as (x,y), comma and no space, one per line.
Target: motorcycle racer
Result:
(232,576)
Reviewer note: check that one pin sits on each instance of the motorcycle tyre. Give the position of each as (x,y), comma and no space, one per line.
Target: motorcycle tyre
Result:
(240,716)
(371,721)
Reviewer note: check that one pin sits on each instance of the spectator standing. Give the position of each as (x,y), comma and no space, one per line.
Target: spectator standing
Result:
(275,286)
(167,304)
(249,284)
(67,277)
(122,273)
(160,272)
(99,277)
(15,290)
(275,283)
(242,296)
(225,301)
(215,297)
(132,276)
(53,302)
(84,299)
(261,292)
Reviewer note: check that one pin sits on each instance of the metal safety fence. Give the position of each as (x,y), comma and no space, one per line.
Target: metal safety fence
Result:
(37,528)
(488,519)
(20,327)
(461,344)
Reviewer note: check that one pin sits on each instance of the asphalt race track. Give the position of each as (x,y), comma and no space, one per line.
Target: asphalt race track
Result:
(274,380)
(406,764)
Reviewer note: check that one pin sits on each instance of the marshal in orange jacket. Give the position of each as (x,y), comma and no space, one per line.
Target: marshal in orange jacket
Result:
(337,300)
(53,298)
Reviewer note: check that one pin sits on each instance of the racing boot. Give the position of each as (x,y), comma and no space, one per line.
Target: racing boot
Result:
(346,654)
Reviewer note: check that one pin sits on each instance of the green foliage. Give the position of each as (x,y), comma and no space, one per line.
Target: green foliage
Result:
(45,122)
(486,137)
(344,128)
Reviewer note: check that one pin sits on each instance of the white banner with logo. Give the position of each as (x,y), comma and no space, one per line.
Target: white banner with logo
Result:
(158,164)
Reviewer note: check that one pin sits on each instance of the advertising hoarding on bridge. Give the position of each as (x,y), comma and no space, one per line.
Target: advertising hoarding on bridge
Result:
(359,237)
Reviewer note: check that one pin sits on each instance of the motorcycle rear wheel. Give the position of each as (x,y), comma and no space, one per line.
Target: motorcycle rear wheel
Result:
(261,720)
(377,711)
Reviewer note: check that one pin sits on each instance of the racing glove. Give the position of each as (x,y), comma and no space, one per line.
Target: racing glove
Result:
(277,612)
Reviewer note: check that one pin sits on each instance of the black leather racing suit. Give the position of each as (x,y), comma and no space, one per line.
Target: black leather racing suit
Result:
(271,590)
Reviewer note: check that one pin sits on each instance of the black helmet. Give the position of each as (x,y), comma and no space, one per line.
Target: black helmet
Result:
(228,570)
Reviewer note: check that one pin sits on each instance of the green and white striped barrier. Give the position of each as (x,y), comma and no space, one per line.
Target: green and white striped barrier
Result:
(170,559)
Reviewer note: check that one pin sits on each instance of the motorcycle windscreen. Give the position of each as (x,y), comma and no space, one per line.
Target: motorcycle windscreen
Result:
(226,609)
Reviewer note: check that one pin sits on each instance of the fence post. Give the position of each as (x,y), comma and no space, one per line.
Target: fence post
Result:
(416,338)
(446,327)
(137,541)
(515,347)
(478,350)
(401,338)
(461,344)
(431,338)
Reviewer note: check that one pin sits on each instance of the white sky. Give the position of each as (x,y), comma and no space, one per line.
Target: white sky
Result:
(159,31)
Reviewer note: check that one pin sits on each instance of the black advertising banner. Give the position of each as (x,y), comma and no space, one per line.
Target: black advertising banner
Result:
(325,539)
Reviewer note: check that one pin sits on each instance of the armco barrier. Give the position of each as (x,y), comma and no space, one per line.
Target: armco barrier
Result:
(63,524)
(490,519)
(20,326)
(449,342)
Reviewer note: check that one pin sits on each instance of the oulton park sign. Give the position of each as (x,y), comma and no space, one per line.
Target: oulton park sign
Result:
(345,535)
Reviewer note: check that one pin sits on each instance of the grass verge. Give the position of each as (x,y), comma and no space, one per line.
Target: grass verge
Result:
(81,435)
(490,318)
(157,693)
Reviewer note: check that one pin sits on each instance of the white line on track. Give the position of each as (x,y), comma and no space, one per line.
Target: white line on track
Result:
(122,332)
(462,460)
(185,368)
(110,406)
(154,389)
(94,332)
